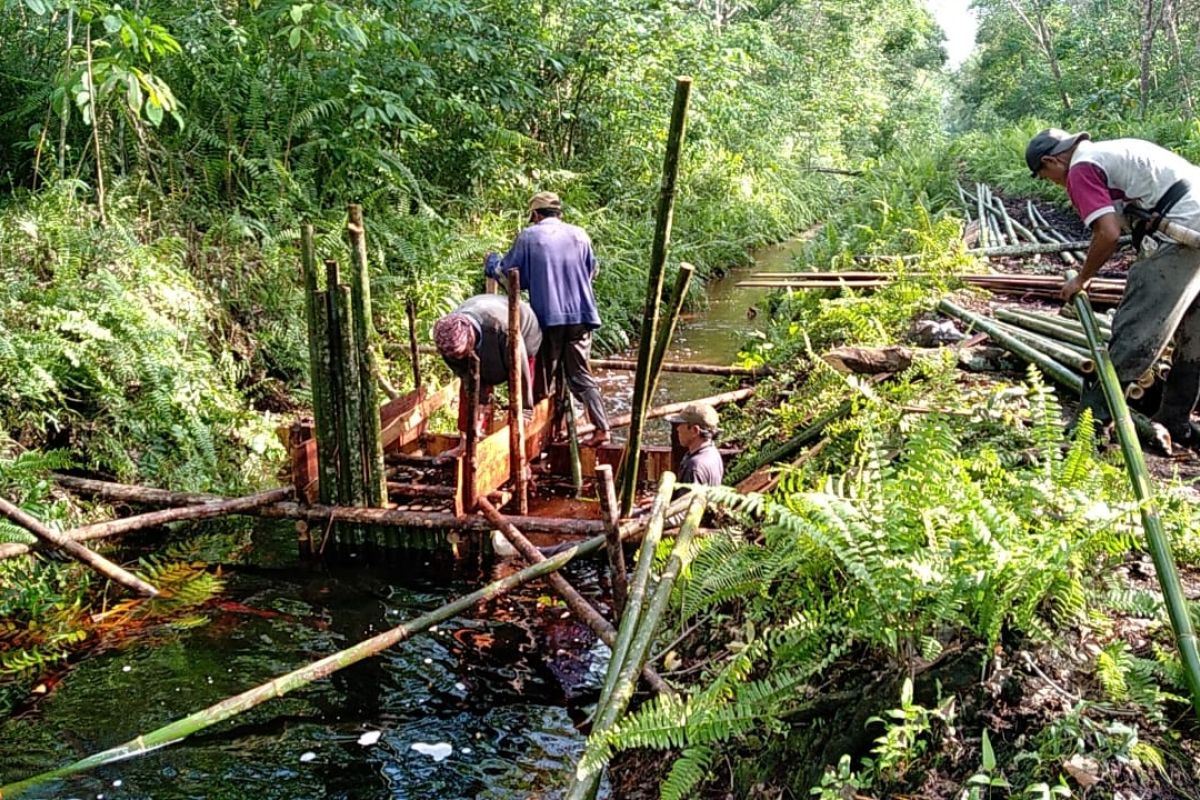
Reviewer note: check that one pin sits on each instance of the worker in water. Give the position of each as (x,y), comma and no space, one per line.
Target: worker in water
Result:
(696,428)
(1137,182)
(480,325)
(557,266)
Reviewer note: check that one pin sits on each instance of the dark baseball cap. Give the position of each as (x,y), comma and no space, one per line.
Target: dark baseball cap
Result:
(1049,142)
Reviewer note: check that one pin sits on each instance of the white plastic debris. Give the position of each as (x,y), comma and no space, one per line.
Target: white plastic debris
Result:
(307,757)
(369,738)
(462,687)
(126,668)
(439,751)
(117,783)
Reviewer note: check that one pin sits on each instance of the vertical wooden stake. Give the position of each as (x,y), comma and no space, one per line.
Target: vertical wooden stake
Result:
(606,488)
(658,261)
(337,385)
(410,308)
(516,420)
(374,488)
(472,434)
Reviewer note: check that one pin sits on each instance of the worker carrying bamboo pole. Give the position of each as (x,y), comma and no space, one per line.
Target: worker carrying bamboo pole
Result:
(1139,183)
(480,324)
(557,266)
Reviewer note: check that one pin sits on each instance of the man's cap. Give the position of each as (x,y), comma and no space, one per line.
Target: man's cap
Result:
(454,335)
(543,200)
(1049,142)
(701,414)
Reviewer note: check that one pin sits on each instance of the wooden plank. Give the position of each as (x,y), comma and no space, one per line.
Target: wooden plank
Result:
(404,419)
(492,462)
(302,446)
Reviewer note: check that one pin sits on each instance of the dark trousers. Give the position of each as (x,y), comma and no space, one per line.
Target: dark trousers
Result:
(570,346)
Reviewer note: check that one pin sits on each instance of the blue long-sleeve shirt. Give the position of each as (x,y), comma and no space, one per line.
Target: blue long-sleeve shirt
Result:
(557,265)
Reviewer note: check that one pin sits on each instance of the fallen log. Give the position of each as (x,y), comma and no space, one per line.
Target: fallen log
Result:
(154,519)
(131,493)
(694,369)
(180,729)
(715,400)
(74,549)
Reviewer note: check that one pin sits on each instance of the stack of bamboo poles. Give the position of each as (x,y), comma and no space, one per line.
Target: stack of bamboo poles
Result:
(998,229)
(1057,345)
(1102,290)
(345,400)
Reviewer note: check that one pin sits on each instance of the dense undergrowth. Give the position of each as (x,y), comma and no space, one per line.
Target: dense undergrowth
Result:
(946,531)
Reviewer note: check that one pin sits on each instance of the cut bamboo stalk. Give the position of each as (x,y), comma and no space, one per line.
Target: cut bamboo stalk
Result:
(628,473)
(180,729)
(1139,477)
(414,351)
(716,400)
(337,380)
(318,359)
(984,233)
(1005,219)
(110,490)
(637,588)
(667,330)
(75,550)
(606,488)
(370,372)
(516,419)
(578,604)
(1053,369)
(963,200)
(352,409)
(1056,350)
(587,772)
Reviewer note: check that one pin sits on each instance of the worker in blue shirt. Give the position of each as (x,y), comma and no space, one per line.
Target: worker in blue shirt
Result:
(557,266)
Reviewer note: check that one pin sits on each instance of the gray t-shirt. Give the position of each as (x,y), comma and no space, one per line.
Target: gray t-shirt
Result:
(704,466)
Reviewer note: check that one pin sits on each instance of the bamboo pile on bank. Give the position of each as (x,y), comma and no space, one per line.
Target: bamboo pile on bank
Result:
(343,375)
(1104,290)
(997,228)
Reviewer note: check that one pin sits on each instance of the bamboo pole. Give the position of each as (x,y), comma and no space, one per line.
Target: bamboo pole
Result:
(715,401)
(352,408)
(1059,351)
(180,729)
(572,435)
(637,589)
(110,490)
(587,772)
(410,309)
(1053,369)
(516,419)
(369,370)
(984,232)
(1043,325)
(337,380)
(606,488)
(319,369)
(667,329)
(75,550)
(627,476)
(1139,477)
(471,435)
(578,604)
(626,365)
(154,519)
(786,450)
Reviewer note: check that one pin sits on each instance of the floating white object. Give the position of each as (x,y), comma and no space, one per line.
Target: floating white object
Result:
(438,752)
(369,738)
(307,757)
(462,687)
(126,668)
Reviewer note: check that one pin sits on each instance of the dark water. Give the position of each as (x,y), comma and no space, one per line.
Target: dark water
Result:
(502,688)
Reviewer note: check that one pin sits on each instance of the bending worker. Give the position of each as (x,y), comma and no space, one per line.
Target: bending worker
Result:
(557,267)
(1142,181)
(480,325)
